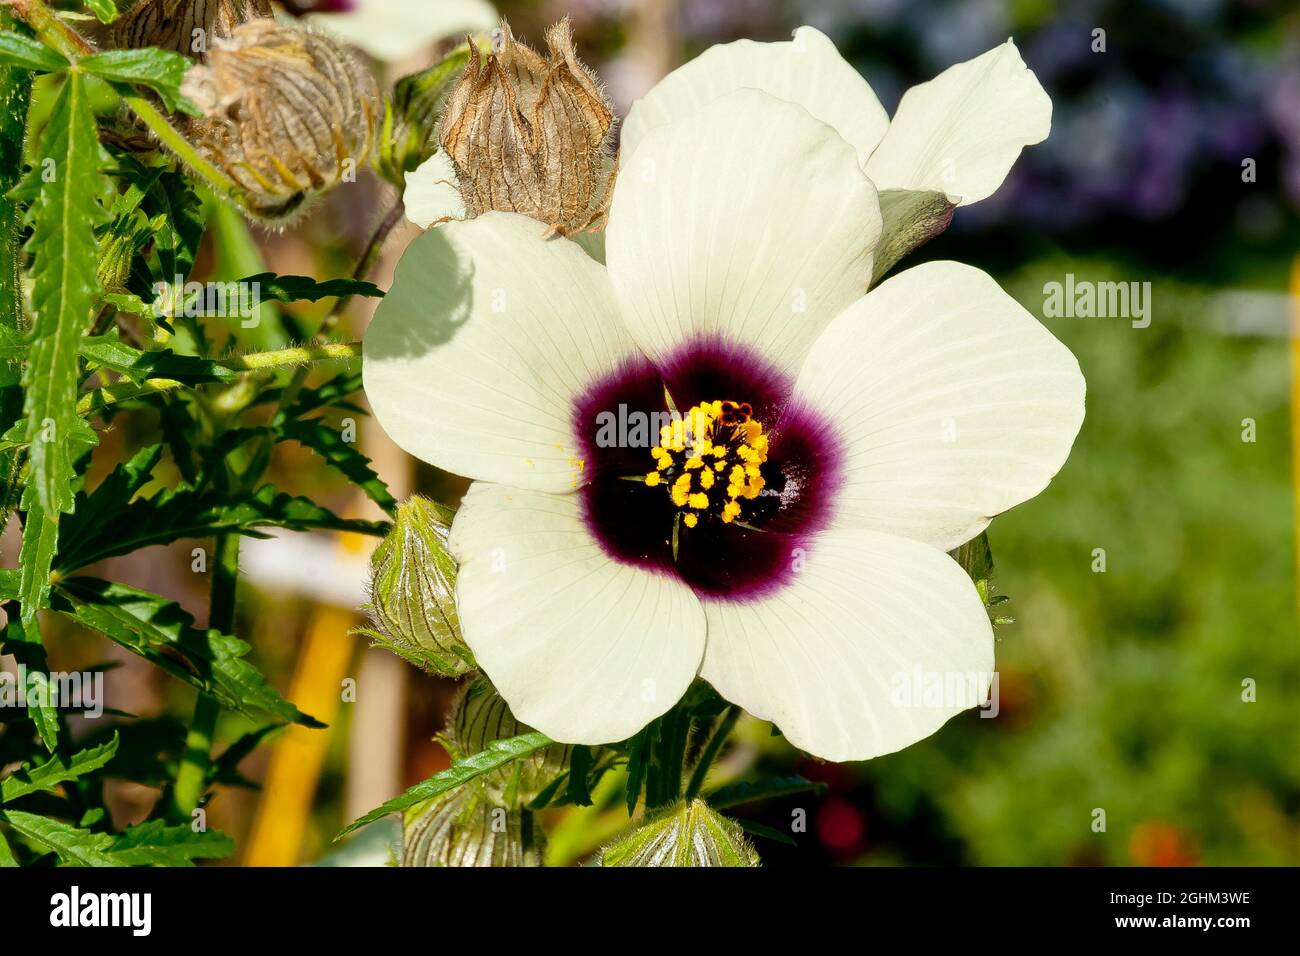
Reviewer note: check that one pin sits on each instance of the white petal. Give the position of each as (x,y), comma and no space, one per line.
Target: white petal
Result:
(749,220)
(833,657)
(393,30)
(953,403)
(476,354)
(582,648)
(432,194)
(961,132)
(807,70)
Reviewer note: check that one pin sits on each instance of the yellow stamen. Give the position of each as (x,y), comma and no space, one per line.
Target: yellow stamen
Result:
(736,448)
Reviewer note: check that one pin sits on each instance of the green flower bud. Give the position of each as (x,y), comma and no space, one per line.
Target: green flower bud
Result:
(688,834)
(126,236)
(413,591)
(409,134)
(481,716)
(463,828)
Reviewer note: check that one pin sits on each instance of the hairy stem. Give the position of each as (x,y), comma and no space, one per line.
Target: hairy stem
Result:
(182,149)
(52,31)
(726,723)
(369,256)
(101,398)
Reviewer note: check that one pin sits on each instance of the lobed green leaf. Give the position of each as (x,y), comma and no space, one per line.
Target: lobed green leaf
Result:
(64,253)
(27,54)
(163,633)
(160,70)
(57,770)
(497,754)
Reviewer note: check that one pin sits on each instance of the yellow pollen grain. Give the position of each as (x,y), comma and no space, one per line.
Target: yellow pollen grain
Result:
(706,479)
(652,479)
(699,501)
(691,521)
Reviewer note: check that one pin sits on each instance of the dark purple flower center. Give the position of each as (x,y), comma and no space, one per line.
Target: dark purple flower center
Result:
(300,7)
(706,468)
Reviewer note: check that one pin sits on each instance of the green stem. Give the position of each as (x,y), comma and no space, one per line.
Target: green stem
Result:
(101,398)
(52,31)
(369,256)
(191,779)
(726,723)
(182,149)
(294,355)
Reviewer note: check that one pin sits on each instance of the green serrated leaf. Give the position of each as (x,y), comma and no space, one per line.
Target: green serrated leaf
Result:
(7,858)
(24,643)
(28,54)
(73,845)
(172,515)
(347,458)
(64,253)
(304,288)
(329,394)
(55,771)
(747,791)
(160,70)
(497,754)
(163,633)
(762,830)
(156,844)
(35,558)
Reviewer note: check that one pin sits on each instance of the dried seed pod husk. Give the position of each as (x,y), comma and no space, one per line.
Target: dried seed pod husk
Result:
(479,717)
(686,834)
(188,27)
(530,134)
(463,828)
(413,591)
(288,114)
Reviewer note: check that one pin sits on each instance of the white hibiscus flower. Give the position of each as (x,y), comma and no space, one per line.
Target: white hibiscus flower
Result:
(784,536)
(393,30)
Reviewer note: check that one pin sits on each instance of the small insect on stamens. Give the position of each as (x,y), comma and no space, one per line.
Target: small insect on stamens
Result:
(721,434)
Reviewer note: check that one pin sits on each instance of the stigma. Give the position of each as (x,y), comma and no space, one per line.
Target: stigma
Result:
(709,461)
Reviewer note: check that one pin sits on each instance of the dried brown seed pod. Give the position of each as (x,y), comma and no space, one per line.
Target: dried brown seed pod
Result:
(288,113)
(530,134)
(184,26)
